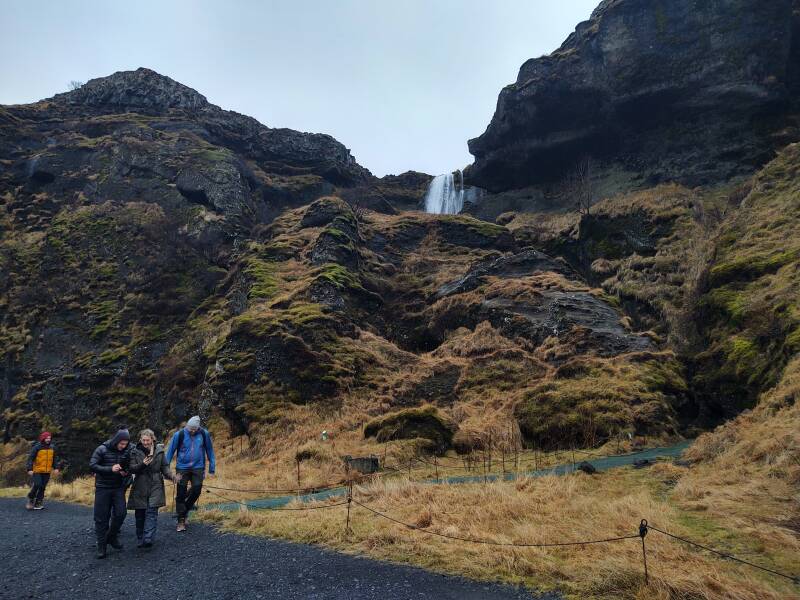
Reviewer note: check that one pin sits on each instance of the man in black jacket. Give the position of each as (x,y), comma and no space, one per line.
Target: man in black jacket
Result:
(109,463)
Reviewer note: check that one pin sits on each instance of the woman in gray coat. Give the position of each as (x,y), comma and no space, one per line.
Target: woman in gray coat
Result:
(147,493)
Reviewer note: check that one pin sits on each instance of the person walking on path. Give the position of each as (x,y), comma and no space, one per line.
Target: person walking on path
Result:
(42,462)
(147,494)
(110,464)
(192,444)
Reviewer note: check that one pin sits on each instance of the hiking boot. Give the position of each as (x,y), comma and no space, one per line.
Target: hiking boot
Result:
(114,542)
(29,505)
(147,545)
(181,525)
(101,551)
(39,505)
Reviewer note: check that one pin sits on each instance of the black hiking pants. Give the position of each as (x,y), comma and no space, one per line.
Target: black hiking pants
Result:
(109,512)
(185,499)
(37,488)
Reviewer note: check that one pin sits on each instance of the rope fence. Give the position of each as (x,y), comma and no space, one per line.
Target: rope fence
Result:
(793,578)
(644,528)
(641,533)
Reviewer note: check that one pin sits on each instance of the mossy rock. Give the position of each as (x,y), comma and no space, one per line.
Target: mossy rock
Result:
(468,232)
(413,423)
(594,399)
(323,211)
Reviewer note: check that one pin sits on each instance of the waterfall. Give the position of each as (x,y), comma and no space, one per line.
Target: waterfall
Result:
(445,196)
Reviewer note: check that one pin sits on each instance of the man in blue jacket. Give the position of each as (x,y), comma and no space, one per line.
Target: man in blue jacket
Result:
(191,445)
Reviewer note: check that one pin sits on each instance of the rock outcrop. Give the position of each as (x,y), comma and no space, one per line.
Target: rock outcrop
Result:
(162,257)
(651,91)
(146,92)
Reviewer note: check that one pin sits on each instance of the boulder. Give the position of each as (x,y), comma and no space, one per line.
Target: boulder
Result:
(413,423)
(362,464)
(507,267)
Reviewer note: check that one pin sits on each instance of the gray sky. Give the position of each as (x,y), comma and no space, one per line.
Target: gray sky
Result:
(402,83)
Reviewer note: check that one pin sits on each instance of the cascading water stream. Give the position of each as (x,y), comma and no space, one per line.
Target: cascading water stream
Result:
(443,196)
(446,194)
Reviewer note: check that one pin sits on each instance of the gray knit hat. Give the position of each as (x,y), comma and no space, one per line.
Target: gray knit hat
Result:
(193,422)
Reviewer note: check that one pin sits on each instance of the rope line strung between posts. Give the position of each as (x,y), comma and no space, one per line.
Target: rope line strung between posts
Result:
(492,542)
(253,506)
(793,578)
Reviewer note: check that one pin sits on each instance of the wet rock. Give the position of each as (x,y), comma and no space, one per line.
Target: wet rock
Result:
(587,468)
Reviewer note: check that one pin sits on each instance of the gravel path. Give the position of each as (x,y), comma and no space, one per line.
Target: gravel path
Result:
(50,554)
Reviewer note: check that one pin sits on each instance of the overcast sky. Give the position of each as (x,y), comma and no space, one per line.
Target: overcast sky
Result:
(402,83)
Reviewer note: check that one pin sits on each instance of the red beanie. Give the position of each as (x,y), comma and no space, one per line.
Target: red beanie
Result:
(44,435)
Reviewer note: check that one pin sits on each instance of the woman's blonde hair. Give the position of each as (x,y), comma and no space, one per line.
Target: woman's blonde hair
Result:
(147,433)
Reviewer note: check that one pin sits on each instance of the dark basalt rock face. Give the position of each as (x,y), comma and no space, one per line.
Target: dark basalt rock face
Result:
(565,314)
(142,88)
(652,91)
(161,257)
(590,322)
(147,92)
(123,205)
(509,266)
(391,193)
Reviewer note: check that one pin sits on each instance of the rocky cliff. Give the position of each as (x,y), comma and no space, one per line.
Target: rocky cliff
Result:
(652,91)
(162,257)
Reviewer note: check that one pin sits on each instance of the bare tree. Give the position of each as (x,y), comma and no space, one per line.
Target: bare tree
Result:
(74,85)
(358,207)
(580,186)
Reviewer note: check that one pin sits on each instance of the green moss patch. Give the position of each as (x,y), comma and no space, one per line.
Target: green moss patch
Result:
(594,399)
(413,423)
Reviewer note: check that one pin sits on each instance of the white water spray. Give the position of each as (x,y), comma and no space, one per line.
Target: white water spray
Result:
(445,194)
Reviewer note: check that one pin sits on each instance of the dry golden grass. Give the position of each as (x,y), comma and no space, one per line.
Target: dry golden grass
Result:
(748,470)
(545,510)
(740,498)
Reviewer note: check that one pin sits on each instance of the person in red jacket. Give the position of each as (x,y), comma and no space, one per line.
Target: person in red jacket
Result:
(42,462)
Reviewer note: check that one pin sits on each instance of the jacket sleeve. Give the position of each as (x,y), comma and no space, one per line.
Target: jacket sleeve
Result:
(136,465)
(32,456)
(212,461)
(166,471)
(171,450)
(94,462)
